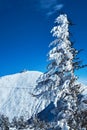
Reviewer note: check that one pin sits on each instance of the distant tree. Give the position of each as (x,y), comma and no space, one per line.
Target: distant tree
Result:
(18,123)
(4,122)
(59,83)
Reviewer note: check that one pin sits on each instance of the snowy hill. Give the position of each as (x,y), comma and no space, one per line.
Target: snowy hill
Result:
(16,97)
(16,94)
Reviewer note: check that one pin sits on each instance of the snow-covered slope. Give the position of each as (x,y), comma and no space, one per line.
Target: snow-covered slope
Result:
(16,94)
(16,97)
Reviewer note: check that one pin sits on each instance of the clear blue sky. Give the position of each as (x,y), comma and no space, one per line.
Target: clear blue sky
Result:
(25,32)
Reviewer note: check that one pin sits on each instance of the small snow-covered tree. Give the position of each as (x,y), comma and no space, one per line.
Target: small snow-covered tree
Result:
(59,84)
(4,122)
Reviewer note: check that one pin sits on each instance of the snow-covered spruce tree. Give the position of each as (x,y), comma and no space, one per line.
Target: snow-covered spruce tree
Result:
(59,84)
(4,122)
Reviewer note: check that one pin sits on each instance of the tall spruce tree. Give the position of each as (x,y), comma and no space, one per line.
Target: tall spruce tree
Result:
(59,83)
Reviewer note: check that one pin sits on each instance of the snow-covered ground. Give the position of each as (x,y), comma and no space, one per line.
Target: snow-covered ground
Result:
(16,97)
(16,94)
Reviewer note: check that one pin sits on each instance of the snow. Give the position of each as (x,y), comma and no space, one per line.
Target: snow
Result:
(83,105)
(16,94)
(65,126)
(62,30)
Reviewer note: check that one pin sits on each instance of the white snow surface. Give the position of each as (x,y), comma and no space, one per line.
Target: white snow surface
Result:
(83,105)
(16,97)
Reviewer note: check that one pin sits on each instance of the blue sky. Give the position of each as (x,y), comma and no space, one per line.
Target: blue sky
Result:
(25,32)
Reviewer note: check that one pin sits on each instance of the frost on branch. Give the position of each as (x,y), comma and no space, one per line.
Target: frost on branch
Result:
(61,31)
